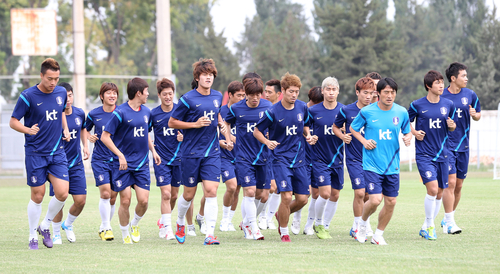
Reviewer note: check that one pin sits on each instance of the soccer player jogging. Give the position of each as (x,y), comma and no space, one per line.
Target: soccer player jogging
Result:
(327,157)
(287,121)
(102,157)
(251,155)
(467,106)
(126,135)
(198,114)
(365,87)
(236,94)
(75,118)
(167,143)
(431,132)
(382,121)
(42,107)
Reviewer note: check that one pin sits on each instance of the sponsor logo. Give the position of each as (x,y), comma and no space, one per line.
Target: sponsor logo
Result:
(130,120)
(97,120)
(39,104)
(51,116)
(319,118)
(242,116)
(198,105)
(384,135)
(281,120)
(73,134)
(138,132)
(424,111)
(210,115)
(291,130)
(65,175)
(159,120)
(373,121)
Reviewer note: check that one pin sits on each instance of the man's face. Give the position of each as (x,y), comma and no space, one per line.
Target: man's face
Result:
(291,94)
(437,87)
(49,80)
(387,96)
(109,97)
(270,94)
(365,96)
(206,80)
(69,101)
(167,96)
(461,79)
(375,93)
(330,93)
(143,97)
(238,96)
(253,99)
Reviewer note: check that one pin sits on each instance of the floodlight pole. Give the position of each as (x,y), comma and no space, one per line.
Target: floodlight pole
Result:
(163,42)
(79,86)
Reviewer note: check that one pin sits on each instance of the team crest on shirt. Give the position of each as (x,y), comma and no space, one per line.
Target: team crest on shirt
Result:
(464,101)
(59,100)
(283,183)
(371,186)
(216,103)
(34,179)
(247,179)
(357,181)
(191,180)
(100,177)
(78,121)
(428,174)
(395,120)
(119,183)
(321,178)
(226,173)
(443,110)
(161,179)
(299,117)
(146,119)
(261,114)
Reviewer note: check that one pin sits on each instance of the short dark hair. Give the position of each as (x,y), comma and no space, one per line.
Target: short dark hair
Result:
(234,86)
(274,83)
(253,86)
(204,66)
(135,85)
(250,75)
(374,75)
(430,77)
(365,83)
(315,95)
(51,64)
(67,86)
(108,86)
(163,84)
(387,81)
(453,70)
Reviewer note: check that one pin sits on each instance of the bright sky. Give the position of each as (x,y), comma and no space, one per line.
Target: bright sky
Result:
(229,15)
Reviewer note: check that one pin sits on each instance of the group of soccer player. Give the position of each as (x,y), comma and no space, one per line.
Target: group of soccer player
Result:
(279,151)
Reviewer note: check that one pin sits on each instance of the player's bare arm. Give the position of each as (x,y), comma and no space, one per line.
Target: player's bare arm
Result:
(368,144)
(261,138)
(347,138)
(106,140)
(83,138)
(151,145)
(178,124)
(475,115)
(19,127)
(419,134)
(66,136)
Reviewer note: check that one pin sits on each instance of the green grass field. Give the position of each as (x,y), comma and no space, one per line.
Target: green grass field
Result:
(475,250)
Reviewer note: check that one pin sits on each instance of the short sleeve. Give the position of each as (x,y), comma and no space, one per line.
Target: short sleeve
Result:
(341,118)
(452,110)
(405,126)
(307,120)
(412,112)
(114,122)
(475,102)
(230,116)
(266,121)
(22,106)
(89,123)
(181,109)
(359,122)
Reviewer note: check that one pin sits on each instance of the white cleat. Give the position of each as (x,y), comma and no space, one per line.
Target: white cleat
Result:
(262,222)
(70,235)
(163,232)
(257,235)
(308,231)
(369,230)
(248,232)
(361,235)
(296,227)
(230,227)
(170,233)
(270,224)
(202,225)
(224,225)
(57,239)
(191,231)
(378,240)
(454,229)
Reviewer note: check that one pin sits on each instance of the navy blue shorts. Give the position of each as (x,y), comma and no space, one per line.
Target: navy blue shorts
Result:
(458,163)
(433,171)
(250,175)
(167,175)
(102,172)
(130,177)
(270,172)
(328,176)
(388,185)
(39,167)
(227,169)
(195,170)
(77,181)
(356,173)
(293,179)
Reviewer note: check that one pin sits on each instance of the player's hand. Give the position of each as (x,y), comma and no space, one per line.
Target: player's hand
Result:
(223,128)
(229,145)
(419,135)
(370,144)
(272,144)
(203,122)
(267,135)
(157,158)
(407,139)
(33,129)
(66,136)
(180,137)
(347,138)
(123,162)
(343,128)
(223,144)
(451,124)
(472,111)
(93,138)
(311,139)
(86,153)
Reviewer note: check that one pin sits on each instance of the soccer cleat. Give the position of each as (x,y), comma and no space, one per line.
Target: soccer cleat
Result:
(444,226)
(353,232)
(308,231)
(211,240)
(224,225)
(170,234)
(454,229)
(191,231)
(378,240)
(431,233)
(271,225)
(285,238)
(57,239)
(361,235)
(257,235)
(180,233)
(163,230)
(230,227)
(321,232)
(108,235)
(33,245)
(127,240)
(70,235)
(101,235)
(424,234)
(134,232)
(296,227)
(201,223)
(47,240)
(247,232)
(328,233)
(262,222)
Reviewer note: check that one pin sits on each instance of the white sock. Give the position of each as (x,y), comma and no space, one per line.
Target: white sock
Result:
(356,222)
(34,213)
(105,211)
(54,208)
(311,213)
(297,215)
(430,206)
(438,207)
(166,219)
(243,211)
(251,212)
(368,225)
(330,209)
(136,219)
(231,215)
(260,207)
(320,210)
(274,202)
(199,216)
(256,202)
(125,231)
(211,210)
(448,218)
(111,212)
(225,211)
(284,231)
(182,208)
(56,228)
(379,232)
(191,227)
(70,219)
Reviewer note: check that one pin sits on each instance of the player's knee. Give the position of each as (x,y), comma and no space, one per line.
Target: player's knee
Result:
(125,202)
(390,201)
(375,200)
(105,195)
(359,195)
(61,196)
(143,203)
